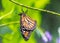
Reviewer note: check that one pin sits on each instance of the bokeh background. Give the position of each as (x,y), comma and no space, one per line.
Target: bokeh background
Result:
(48,25)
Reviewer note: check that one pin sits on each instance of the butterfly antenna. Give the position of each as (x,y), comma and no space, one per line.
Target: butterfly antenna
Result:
(22,10)
(26,11)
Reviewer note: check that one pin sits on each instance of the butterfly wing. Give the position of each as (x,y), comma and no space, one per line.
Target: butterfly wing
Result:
(25,34)
(28,23)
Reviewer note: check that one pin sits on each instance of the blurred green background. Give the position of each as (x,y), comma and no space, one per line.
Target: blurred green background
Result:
(48,25)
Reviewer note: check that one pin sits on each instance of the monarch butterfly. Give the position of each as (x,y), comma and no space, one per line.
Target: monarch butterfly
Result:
(27,25)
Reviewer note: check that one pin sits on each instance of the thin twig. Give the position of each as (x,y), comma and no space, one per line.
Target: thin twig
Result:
(9,23)
(6,14)
(34,8)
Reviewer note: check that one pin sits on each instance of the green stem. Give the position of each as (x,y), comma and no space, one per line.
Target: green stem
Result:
(34,8)
(6,14)
(5,25)
(9,23)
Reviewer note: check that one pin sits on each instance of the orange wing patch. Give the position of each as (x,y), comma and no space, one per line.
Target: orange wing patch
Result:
(25,33)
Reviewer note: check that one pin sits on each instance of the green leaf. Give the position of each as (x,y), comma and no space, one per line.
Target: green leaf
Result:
(5,30)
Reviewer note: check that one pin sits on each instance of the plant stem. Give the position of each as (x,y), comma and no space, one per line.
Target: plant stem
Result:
(9,23)
(34,8)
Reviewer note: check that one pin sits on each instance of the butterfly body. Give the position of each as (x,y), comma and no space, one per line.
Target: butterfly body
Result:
(27,25)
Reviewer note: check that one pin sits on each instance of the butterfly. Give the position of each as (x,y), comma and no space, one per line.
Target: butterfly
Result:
(27,25)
